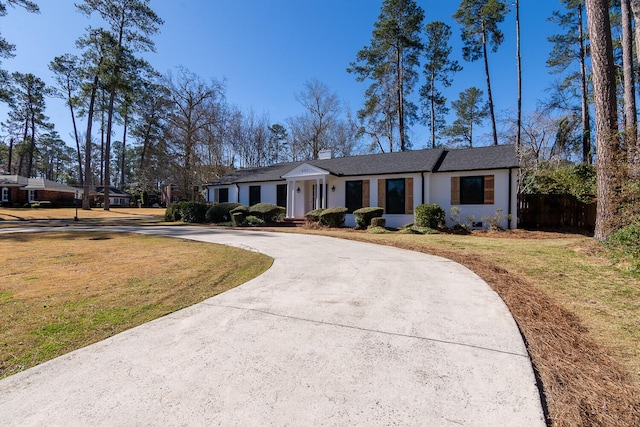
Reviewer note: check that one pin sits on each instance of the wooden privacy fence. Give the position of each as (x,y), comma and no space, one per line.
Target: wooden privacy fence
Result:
(555,211)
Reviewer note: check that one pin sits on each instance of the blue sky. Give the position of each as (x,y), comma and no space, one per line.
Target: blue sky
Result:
(267,49)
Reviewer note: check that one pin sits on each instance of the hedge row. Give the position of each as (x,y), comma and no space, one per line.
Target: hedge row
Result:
(427,215)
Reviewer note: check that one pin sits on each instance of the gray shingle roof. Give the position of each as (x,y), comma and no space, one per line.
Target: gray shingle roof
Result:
(262,174)
(45,184)
(481,158)
(13,180)
(382,164)
(432,160)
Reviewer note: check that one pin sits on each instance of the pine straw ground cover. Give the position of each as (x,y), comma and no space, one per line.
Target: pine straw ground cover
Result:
(579,314)
(63,290)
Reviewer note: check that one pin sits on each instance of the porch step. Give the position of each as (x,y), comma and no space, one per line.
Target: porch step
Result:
(293,222)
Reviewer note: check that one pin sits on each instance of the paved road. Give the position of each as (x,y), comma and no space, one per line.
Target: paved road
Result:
(335,333)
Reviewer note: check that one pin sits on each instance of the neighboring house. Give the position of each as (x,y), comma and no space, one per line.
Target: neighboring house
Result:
(117,197)
(18,190)
(171,193)
(11,192)
(477,181)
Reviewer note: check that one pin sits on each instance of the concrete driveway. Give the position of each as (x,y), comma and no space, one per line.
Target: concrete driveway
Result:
(336,333)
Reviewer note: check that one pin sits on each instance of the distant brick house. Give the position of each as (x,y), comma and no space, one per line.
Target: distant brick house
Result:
(477,181)
(11,190)
(16,190)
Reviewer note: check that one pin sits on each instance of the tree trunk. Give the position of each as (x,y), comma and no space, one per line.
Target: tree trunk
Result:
(631,122)
(586,122)
(75,134)
(124,146)
(10,156)
(86,202)
(635,160)
(110,112)
(107,147)
(32,145)
(399,88)
(519,61)
(607,139)
(489,95)
(433,110)
(102,137)
(145,143)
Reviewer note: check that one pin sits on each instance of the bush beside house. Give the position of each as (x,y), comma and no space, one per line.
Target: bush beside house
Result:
(267,212)
(190,212)
(365,215)
(220,212)
(313,216)
(378,222)
(333,217)
(429,215)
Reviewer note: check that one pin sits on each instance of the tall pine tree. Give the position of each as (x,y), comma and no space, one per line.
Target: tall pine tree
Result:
(438,69)
(130,22)
(390,63)
(570,48)
(479,20)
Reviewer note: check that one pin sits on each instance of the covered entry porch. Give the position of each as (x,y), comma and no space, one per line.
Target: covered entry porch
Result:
(307,187)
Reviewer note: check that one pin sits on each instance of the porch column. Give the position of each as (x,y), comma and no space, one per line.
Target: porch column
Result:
(318,203)
(291,200)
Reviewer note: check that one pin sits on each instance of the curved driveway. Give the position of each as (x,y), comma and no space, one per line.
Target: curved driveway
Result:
(336,332)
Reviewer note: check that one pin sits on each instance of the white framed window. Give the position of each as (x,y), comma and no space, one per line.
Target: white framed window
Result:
(32,196)
(5,194)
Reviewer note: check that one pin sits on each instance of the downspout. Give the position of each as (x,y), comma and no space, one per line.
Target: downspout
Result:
(422,201)
(509,208)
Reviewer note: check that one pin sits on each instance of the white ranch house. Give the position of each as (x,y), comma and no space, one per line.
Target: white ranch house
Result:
(476,180)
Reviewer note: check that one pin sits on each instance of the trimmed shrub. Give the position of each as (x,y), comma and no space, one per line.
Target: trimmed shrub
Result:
(174,212)
(238,215)
(237,219)
(268,212)
(429,215)
(254,221)
(412,229)
(379,230)
(333,217)
(220,212)
(314,215)
(378,222)
(194,212)
(365,215)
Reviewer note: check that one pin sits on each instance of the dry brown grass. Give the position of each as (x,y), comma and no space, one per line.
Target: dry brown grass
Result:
(578,313)
(26,214)
(60,291)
